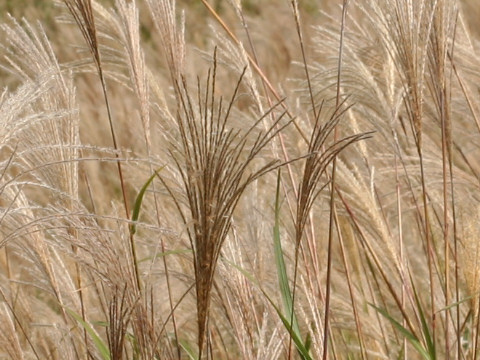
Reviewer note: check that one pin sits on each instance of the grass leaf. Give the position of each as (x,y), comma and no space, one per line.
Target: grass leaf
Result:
(287,298)
(425,328)
(139,199)
(185,345)
(409,336)
(302,347)
(99,343)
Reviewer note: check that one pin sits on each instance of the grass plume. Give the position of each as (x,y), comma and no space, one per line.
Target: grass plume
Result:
(215,170)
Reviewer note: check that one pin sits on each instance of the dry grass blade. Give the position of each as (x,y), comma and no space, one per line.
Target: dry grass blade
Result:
(129,29)
(333,210)
(171,36)
(321,155)
(82,12)
(119,317)
(11,337)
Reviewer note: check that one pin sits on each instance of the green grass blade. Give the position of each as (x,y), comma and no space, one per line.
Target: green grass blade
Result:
(456,304)
(285,291)
(408,335)
(279,259)
(184,344)
(302,348)
(138,201)
(308,342)
(99,344)
(425,329)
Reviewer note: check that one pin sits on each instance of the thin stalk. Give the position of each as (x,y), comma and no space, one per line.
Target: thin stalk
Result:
(255,66)
(82,12)
(316,113)
(332,194)
(79,285)
(299,234)
(440,94)
(429,245)
(358,324)
(400,246)
(446,228)
(17,320)
(120,176)
(471,107)
(163,248)
(449,56)
(476,326)
(270,104)
(455,259)
(378,263)
(304,57)
(253,60)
